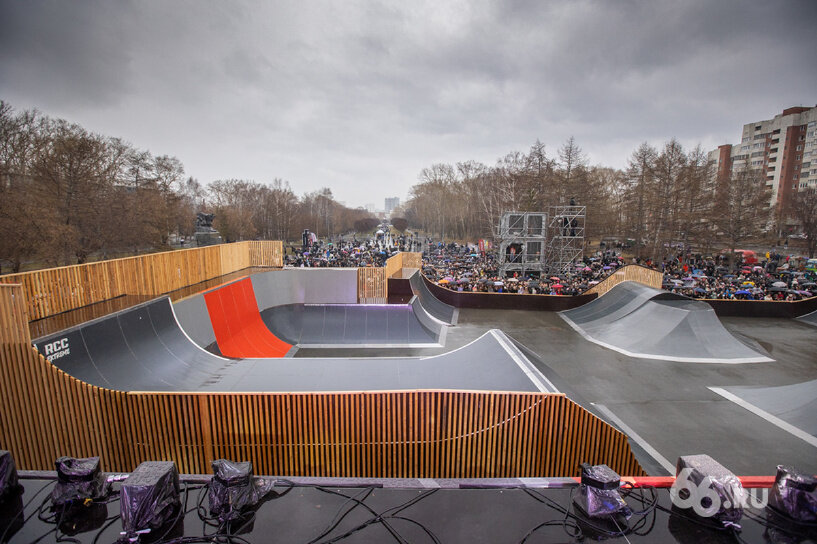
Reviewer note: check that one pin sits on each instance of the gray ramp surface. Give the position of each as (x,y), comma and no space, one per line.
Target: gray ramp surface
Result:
(644,322)
(795,404)
(144,349)
(435,308)
(305,286)
(345,325)
(810,319)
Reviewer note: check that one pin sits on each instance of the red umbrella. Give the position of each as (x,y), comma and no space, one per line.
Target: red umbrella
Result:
(558,286)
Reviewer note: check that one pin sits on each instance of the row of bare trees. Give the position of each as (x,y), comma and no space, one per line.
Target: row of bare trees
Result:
(67,195)
(666,198)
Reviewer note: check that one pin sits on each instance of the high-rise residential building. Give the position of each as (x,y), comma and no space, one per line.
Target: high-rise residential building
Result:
(784,148)
(391,204)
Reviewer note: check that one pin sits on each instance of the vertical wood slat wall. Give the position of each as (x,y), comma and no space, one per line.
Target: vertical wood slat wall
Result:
(397,263)
(55,290)
(45,413)
(372,285)
(641,274)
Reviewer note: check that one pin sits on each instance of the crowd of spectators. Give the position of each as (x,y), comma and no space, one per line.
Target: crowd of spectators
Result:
(776,277)
(466,268)
(347,251)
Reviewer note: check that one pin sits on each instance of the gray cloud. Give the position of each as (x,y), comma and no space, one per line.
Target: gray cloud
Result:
(360,96)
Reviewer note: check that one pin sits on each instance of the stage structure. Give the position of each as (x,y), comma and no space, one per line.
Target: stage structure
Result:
(532,243)
(523,243)
(566,237)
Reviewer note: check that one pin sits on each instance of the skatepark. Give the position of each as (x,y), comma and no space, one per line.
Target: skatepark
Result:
(662,368)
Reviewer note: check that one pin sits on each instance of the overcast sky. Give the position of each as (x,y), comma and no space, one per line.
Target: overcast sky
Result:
(360,96)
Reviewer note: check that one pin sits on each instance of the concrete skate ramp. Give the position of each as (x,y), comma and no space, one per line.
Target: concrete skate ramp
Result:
(643,322)
(435,308)
(144,349)
(345,325)
(795,404)
(305,286)
(809,319)
(237,323)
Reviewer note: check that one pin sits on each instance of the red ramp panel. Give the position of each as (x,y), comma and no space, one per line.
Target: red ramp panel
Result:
(240,332)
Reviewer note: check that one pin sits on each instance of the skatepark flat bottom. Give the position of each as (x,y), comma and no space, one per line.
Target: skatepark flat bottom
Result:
(668,404)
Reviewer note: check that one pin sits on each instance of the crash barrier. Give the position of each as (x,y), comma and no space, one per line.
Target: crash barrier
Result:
(762,308)
(630,272)
(45,413)
(55,290)
(504,301)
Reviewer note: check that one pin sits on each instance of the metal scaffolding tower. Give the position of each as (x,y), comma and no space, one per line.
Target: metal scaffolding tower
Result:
(566,230)
(522,243)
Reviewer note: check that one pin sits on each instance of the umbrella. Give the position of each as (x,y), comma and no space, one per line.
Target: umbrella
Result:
(779,284)
(554,278)
(749,283)
(587,269)
(498,284)
(449,278)
(607,268)
(804,293)
(512,280)
(444,281)
(743,292)
(593,282)
(462,281)
(483,280)
(699,290)
(558,286)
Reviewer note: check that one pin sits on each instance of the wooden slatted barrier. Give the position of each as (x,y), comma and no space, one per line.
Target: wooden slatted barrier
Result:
(372,285)
(57,290)
(396,263)
(266,253)
(45,413)
(632,272)
(412,260)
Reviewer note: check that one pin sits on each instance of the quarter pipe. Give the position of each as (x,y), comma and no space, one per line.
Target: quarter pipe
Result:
(644,322)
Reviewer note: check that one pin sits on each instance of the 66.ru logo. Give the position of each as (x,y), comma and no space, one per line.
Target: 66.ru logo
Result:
(711,496)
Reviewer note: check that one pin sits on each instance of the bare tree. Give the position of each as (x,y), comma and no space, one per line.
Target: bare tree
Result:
(640,174)
(804,209)
(742,210)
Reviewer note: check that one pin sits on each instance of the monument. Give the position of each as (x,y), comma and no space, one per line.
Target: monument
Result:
(205,234)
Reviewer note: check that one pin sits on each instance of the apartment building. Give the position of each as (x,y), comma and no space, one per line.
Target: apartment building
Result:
(784,148)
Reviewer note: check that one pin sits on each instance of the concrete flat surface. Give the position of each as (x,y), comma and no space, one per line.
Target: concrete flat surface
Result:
(640,321)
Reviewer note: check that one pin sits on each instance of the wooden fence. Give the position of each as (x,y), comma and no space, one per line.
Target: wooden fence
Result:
(396,263)
(55,290)
(372,286)
(45,413)
(641,274)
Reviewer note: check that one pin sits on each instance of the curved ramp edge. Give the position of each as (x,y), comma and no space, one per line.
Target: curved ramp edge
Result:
(647,323)
(237,324)
(810,319)
(437,309)
(350,325)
